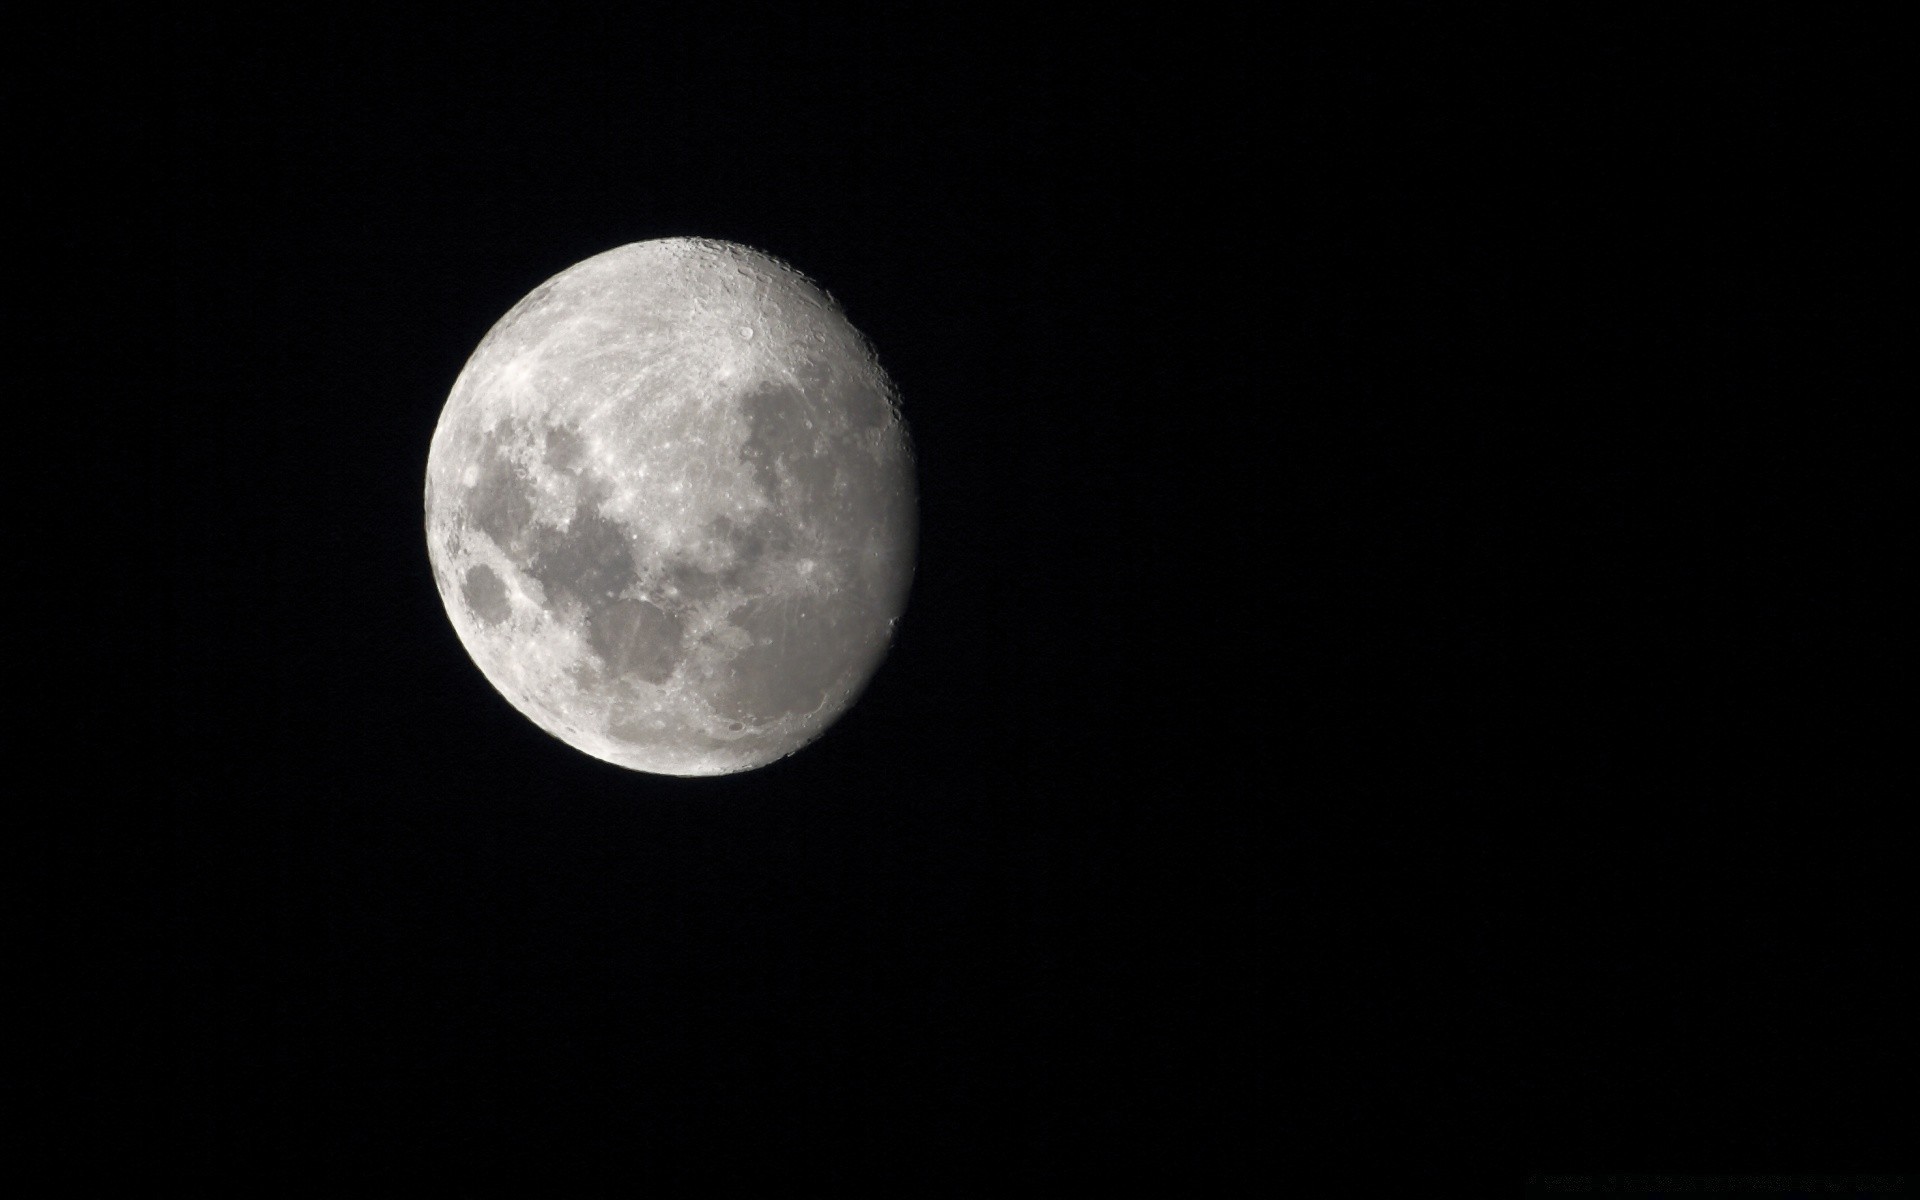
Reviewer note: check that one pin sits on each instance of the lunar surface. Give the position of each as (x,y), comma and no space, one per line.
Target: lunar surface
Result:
(670,508)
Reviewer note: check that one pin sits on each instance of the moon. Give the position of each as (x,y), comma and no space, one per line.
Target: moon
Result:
(670,508)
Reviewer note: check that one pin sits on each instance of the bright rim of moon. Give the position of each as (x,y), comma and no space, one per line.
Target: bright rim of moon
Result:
(670,508)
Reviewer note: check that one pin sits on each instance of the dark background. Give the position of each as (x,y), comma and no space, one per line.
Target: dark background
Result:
(1381,485)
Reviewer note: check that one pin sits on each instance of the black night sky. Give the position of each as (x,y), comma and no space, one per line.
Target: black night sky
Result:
(1387,680)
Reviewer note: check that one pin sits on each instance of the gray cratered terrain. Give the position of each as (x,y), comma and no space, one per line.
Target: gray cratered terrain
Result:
(670,508)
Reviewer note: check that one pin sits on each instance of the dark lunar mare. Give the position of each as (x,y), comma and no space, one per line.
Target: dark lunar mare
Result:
(500,503)
(590,561)
(806,460)
(485,595)
(635,637)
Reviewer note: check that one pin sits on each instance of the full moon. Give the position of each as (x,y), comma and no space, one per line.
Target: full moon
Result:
(670,508)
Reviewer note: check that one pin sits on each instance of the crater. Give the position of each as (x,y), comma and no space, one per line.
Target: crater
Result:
(485,595)
(636,638)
